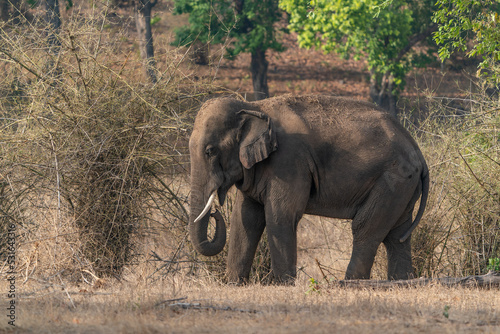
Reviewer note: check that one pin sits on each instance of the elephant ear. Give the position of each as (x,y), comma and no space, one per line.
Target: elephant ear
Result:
(258,137)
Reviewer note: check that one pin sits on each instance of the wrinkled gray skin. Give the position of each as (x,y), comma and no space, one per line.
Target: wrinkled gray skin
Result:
(319,155)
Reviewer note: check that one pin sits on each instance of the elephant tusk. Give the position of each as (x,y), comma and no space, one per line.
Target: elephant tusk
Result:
(207,207)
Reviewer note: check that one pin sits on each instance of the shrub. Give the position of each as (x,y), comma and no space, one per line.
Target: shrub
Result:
(461,228)
(88,147)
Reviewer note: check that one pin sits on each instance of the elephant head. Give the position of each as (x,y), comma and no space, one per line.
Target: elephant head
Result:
(229,137)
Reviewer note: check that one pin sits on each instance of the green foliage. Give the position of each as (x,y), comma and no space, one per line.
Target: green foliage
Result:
(217,22)
(377,30)
(463,20)
(446,311)
(313,286)
(494,264)
(155,20)
(205,23)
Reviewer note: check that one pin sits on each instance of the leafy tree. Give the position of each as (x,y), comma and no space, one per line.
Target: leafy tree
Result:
(243,25)
(463,20)
(383,32)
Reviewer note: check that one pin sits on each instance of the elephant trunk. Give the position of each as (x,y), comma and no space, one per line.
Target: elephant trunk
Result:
(198,228)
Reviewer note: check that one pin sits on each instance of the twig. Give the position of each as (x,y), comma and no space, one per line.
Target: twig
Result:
(17,61)
(174,196)
(91,274)
(322,272)
(167,262)
(473,174)
(101,30)
(170,301)
(28,274)
(65,290)
(58,181)
(156,256)
(48,238)
(78,62)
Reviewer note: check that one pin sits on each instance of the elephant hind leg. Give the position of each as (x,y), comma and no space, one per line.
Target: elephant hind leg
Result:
(369,228)
(384,208)
(399,263)
(363,255)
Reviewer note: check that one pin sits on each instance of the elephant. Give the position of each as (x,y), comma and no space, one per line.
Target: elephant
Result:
(295,155)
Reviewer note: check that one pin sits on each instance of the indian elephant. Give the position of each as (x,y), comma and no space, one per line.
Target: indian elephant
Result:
(289,156)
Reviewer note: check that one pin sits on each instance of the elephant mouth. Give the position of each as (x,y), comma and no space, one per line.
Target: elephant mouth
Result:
(221,194)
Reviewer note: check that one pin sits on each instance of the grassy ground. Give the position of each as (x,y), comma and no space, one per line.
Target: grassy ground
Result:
(137,307)
(147,301)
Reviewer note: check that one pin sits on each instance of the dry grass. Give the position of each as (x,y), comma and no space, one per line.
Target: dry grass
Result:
(460,230)
(139,307)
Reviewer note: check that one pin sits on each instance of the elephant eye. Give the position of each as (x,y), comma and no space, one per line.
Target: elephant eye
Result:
(210,151)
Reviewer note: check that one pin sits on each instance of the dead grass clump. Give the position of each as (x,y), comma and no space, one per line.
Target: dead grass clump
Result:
(461,228)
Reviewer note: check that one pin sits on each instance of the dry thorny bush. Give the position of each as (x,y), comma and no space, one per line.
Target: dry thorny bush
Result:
(460,230)
(93,162)
(89,154)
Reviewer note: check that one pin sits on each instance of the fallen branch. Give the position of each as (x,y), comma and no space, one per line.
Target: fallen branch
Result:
(490,280)
(198,306)
(170,301)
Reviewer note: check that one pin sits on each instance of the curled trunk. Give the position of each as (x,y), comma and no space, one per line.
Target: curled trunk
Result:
(198,232)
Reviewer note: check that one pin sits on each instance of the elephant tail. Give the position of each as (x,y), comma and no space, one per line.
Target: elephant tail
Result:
(423,203)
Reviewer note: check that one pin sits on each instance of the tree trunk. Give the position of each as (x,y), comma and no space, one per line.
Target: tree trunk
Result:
(16,10)
(53,18)
(200,53)
(4,10)
(382,92)
(258,68)
(198,231)
(143,23)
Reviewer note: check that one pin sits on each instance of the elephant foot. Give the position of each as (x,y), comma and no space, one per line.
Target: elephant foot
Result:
(236,280)
(284,280)
(237,283)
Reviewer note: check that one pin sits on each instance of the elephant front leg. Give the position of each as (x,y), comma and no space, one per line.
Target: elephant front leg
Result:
(282,240)
(247,224)
(285,205)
